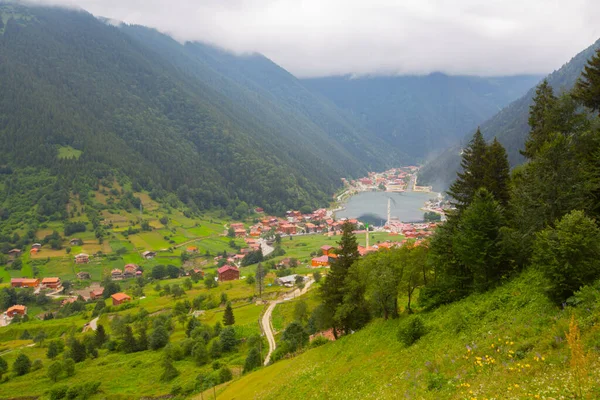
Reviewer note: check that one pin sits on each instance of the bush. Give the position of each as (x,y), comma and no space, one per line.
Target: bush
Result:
(319,341)
(411,330)
(58,392)
(225,375)
(22,365)
(37,364)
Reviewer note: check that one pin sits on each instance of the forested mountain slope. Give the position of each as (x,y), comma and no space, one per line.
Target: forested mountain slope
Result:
(421,114)
(131,102)
(509,125)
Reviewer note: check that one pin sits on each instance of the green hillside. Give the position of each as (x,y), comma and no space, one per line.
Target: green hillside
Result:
(509,125)
(506,344)
(83,100)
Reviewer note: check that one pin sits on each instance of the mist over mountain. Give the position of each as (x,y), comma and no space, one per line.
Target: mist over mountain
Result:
(509,125)
(420,115)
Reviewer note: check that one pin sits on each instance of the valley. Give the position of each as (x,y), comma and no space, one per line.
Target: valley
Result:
(407,209)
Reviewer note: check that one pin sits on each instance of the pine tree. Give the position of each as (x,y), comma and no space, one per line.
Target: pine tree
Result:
(253,360)
(477,240)
(3,367)
(200,353)
(100,336)
(473,172)
(333,289)
(587,88)
(497,174)
(169,371)
(228,317)
(52,350)
(129,344)
(540,119)
(142,341)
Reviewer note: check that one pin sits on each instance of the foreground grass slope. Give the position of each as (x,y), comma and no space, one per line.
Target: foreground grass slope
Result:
(508,343)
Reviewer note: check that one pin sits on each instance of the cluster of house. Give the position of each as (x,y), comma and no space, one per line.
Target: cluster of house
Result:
(128,271)
(420,230)
(394,180)
(45,283)
(294,223)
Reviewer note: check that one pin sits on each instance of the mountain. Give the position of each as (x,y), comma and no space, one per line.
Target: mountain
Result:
(509,125)
(421,114)
(82,99)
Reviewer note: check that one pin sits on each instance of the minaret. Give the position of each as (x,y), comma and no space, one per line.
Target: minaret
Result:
(389,211)
(367,235)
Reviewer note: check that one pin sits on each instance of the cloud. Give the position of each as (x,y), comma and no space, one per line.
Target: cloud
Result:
(334,37)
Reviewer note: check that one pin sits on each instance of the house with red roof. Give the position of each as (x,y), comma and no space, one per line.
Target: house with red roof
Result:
(326,249)
(24,282)
(120,298)
(96,293)
(322,261)
(228,273)
(16,310)
(51,283)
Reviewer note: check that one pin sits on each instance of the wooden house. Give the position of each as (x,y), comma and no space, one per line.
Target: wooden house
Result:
(51,283)
(228,273)
(120,298)
(82,258)
(24,282)
(16,310)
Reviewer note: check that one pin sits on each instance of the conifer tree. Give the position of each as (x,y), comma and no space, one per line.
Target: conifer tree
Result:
(100,335)
(228,317)
(473,172)
(587,88)
(129,343)
(477,238)
(540,118)
(52,350)
(497,174)
(333,289)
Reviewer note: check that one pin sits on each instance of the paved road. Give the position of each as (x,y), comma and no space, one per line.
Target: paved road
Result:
(266,319)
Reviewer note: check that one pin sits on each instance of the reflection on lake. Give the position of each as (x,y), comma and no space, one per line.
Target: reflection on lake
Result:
(371,207)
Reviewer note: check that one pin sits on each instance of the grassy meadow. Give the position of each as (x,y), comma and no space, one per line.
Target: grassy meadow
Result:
(509,343)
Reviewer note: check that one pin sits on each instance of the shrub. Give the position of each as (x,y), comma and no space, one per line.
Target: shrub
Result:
(37,364)
(319,341)
(58,392)
(225,375)
(411,330)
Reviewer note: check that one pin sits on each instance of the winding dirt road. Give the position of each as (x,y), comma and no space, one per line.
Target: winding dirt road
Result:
(266,319)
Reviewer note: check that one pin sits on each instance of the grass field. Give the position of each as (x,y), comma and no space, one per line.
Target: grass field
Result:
(505,344)
(66,152)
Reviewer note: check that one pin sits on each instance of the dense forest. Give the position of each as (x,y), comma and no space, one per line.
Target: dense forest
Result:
(83,100)
(509,125)
(543,217)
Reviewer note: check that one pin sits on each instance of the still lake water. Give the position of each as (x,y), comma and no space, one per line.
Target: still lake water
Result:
(371,207)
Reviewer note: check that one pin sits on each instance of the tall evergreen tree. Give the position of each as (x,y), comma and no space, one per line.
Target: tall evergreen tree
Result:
(477,242)
(129,344)
(540,118)
(587,88)
(333,289)
(228,317)
(472,177)
(497,173)
(100,336)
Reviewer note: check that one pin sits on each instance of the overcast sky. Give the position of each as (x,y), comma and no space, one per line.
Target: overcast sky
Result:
(334,37)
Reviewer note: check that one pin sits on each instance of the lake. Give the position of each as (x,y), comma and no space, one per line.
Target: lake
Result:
(371,207)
